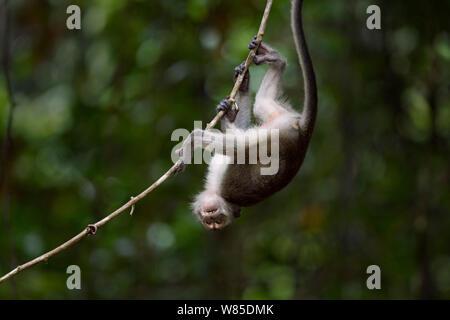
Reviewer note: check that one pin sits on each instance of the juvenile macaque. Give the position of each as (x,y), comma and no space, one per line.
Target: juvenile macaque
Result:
(229,185)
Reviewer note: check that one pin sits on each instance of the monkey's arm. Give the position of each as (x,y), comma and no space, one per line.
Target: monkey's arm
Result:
(243,99)
(238,119)
(242,118)
(235,140)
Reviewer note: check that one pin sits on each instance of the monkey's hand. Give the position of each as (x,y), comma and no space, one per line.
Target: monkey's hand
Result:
(267,55)
(182,165)
(183,154)
(225,106)
(245,82)
(180,168)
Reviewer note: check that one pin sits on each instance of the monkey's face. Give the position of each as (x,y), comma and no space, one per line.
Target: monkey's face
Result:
(213,211)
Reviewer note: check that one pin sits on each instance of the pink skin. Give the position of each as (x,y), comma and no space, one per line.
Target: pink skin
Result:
(211,216)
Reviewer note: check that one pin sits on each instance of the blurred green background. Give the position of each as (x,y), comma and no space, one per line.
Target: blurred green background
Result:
(96,109)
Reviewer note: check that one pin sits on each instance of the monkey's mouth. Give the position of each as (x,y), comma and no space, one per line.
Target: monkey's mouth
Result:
(210,212)
(214,222)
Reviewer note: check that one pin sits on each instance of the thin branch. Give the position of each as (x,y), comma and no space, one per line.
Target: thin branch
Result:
(248,61)
(6,148)
(92,228)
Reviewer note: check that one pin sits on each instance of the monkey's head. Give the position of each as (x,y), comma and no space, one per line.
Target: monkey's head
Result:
(213,211)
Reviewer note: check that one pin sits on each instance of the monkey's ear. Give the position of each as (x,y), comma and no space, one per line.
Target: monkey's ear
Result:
(237,213)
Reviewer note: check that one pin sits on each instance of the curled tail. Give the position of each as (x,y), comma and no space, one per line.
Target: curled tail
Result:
(309,112)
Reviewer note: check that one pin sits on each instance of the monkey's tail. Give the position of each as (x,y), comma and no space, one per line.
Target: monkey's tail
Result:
(309,112)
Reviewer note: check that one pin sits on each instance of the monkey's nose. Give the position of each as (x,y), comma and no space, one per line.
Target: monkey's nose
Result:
(218,225)
(214,226)
(214,223)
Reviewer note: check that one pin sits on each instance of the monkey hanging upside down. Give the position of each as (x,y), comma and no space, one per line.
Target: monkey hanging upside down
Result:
(230,186)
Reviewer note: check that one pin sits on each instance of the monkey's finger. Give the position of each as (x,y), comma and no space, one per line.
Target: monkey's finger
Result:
(253,44)
(224,105)
(240,68)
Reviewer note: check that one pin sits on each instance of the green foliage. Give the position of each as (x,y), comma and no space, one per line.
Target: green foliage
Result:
(96,109)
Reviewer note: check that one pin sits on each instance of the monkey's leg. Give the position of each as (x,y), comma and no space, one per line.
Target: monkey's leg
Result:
(267,103)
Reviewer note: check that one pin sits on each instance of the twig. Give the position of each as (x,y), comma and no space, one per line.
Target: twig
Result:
(132,208)
(93,228)
(248,61)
